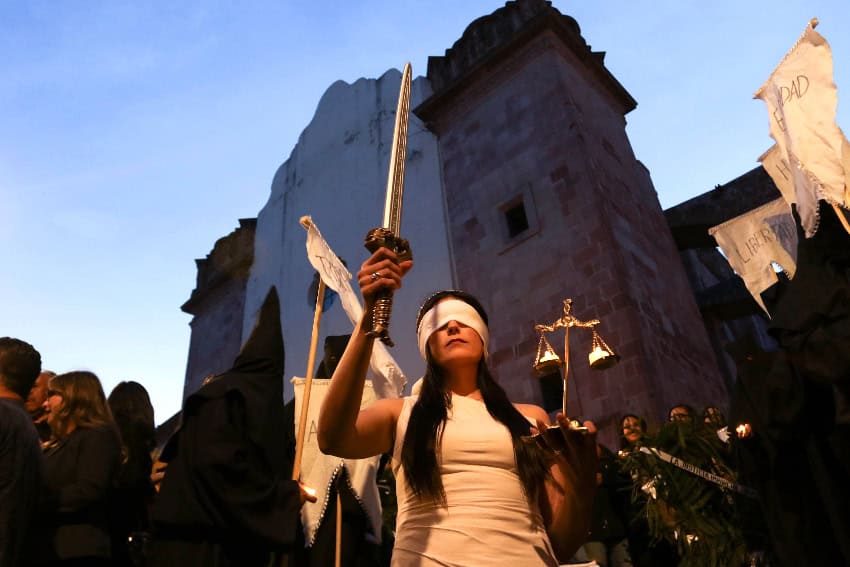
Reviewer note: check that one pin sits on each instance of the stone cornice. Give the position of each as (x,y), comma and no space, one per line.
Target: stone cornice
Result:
(492,38)
(231,258)
(691,220)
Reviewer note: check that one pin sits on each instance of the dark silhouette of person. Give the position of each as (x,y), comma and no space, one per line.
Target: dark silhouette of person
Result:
(227,497)
(35,404)
(21,465)
(134,492)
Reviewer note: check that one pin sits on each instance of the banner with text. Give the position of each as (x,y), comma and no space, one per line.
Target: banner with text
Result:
(318,469)
(776,165)
(754,240)
(801,100)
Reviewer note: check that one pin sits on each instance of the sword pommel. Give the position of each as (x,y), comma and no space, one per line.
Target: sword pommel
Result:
(378,237)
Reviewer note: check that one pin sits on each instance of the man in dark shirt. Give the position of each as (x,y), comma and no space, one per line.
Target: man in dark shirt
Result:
(20,451)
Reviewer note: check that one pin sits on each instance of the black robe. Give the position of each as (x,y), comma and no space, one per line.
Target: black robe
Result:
(796,400)
(227,497)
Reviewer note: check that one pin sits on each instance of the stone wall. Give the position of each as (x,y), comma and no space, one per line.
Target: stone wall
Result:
(337,173)
(218,305)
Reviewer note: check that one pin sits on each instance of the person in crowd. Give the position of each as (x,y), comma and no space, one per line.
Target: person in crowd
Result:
(713,417)
(35,404)
(227,498)
(130,506)
(20,453)
(633,430)
(333,349)
(785,419)
(607,544)
(643,551)
(81,463)
(715,421)
(472,489)
(682,413)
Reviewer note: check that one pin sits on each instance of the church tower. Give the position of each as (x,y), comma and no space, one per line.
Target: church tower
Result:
(545,200)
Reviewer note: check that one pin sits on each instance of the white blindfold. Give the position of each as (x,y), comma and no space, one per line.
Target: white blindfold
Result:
(451,310)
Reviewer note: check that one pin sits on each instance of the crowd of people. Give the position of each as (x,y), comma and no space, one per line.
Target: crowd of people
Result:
(620,533)
(75,469)
(81,482)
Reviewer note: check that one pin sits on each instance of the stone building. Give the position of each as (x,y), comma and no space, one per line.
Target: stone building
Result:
(728,310)
(529,118)
(218,305)
(522,188)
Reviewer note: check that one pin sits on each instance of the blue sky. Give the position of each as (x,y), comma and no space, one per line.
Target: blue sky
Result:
(134,134)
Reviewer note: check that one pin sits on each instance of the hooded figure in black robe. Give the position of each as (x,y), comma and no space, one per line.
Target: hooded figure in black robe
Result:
(227,497)
(798,403)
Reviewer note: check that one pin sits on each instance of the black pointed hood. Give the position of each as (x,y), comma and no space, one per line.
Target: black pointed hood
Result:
(263,353)
(256,379)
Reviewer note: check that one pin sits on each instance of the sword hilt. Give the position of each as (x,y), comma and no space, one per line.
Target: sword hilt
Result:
(383,308)
(381,312)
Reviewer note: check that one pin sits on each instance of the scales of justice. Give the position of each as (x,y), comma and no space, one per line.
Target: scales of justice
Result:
(601,356)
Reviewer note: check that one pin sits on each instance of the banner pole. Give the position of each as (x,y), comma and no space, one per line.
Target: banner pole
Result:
(338,556)
(308,382)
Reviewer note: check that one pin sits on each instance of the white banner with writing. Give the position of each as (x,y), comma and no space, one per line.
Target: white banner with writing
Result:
(776,165)
(318,470)
(388,379)
(752,241)
(801,100)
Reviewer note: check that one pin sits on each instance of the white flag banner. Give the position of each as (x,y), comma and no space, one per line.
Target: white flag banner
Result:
(318,470)
(752,241)
(776,165)
(388,379)
(801,100)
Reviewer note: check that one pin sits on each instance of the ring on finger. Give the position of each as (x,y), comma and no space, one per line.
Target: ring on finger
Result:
(376,276)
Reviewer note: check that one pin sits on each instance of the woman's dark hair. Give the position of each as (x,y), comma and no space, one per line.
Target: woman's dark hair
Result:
(715,417)
(131,402)
(133,412)
(429,413)
(133,493)
(20,365)
(692,414)
(624,443)
(83,402)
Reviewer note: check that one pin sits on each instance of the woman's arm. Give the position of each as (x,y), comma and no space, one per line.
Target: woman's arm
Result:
(567,501)
(344,430)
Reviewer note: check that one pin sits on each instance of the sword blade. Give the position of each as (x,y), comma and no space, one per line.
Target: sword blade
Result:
(388,234)
(395,176)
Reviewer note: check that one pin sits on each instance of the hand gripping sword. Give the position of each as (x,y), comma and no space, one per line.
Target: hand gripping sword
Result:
(388,234)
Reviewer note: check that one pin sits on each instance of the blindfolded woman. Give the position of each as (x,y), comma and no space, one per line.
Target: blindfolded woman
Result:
(472,488)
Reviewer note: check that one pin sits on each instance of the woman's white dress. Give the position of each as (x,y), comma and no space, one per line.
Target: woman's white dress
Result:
(487,519)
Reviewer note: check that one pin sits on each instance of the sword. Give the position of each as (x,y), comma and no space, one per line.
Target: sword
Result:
(387,235)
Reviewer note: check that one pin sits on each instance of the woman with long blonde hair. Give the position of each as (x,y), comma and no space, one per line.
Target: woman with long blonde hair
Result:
(81,463)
